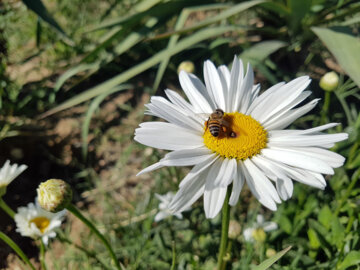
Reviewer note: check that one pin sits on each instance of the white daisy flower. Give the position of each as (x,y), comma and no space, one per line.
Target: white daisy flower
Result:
(10,172)
(164,210)
(258,230)
(35,222)
(251,145)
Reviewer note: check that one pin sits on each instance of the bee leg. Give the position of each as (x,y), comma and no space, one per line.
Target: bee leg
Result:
(233,134)
(206,125)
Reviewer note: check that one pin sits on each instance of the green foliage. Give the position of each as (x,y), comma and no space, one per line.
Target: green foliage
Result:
(110,43)
(344,46)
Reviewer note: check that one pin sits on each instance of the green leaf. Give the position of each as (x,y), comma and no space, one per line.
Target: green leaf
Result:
(38,7)
(337,232)
(344,46)
(298,11)
(351,259)
(132,72)
(260,51)
(269,262)
(325,217)
(313,239)
(285,224)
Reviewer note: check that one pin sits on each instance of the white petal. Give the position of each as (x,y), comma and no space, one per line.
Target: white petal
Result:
(192,87)
(269,118)
(188,194)
(315,130)
(152,167)
(265,167)
(221,173)
(238,183)
(187,157)
(270,226)
(246,89)
(161,215)
(282,98)
(259,191)
(261,180)
(260,219)
(292,116)
(284,185)
(199,169)
(297,160)
(333,159)
(248,234)
(167,136)
(178,100)
(254,94)
(213,201)
(224,75)
(300,175)
(213,84)
(183,157)
(306,140)
(236,77)
(162,108)
(260,102)
(285,188)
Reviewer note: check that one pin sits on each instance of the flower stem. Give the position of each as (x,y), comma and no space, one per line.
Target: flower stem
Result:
(42,255)
(88,223)
(6,208)
(17,249)
(326,106)
(224,230)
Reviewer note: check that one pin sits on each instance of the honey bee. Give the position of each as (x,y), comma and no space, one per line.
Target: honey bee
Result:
(217,124)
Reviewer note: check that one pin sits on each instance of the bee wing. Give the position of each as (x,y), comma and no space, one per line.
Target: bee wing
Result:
(203,116)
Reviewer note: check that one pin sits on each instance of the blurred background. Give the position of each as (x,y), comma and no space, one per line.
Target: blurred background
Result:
(74,78)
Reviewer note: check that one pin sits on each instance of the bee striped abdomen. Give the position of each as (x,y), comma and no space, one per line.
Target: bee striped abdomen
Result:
(214,127)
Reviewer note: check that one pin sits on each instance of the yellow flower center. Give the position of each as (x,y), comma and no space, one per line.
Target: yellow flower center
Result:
(41,222)
(240,137)
(259,235)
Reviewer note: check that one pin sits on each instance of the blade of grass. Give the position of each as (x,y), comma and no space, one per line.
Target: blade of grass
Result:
(132,72)
(174,38)
(138,8)
(137,21)
(17,249)
(231,11)
(93,106)
(71,72)
(269,262)
(38,7)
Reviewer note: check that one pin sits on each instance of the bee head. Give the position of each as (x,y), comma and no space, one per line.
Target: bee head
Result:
(219,113)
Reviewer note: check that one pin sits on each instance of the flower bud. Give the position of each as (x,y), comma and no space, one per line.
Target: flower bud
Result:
(329,81)
(54,195)
(187,66)
(234,229)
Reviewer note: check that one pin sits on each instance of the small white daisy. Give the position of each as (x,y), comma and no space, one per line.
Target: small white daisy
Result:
(257,231)
(164,210)
(35,222)
(252,145)
(10,172)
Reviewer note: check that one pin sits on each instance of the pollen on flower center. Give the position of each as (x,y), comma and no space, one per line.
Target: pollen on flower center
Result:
(41,223)
(250,137)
